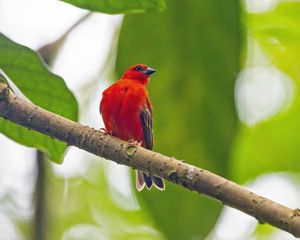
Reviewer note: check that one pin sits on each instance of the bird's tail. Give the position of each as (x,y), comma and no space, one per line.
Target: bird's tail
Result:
(144,179)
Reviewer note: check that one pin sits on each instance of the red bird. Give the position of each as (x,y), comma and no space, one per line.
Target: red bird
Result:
(127,114)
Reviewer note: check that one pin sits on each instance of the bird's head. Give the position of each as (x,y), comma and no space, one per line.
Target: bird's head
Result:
(139,72)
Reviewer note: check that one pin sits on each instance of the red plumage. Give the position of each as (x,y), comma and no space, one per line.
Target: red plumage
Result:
(127,114)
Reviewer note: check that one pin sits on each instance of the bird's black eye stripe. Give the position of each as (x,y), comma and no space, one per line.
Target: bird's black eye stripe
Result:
(138,68)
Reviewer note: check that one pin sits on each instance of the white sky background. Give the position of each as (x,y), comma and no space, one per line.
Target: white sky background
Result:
(35,23)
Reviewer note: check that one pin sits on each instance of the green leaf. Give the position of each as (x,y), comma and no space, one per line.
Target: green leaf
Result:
(24,67)
(274,144)
(119,6)
(195,47)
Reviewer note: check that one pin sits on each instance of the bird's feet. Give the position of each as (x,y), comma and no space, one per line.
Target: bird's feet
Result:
(134,142)
(103,130)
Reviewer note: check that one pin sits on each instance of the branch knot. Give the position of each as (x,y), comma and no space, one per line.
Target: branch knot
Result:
(4,91)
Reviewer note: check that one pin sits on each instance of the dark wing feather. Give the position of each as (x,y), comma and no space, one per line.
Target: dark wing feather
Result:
(148,180)
(146,119)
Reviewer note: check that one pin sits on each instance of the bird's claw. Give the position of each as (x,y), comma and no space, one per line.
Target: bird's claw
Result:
(134,142)
(103,130)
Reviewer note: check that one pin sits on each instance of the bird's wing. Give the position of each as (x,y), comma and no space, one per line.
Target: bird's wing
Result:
(146,119)
(145,179)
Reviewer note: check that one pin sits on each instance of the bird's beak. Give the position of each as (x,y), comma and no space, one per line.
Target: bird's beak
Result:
(149,71)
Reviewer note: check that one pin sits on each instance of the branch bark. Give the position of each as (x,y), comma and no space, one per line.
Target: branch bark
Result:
(191,177)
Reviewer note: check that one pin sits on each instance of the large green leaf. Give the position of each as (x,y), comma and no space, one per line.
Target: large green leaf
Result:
(274,144)
(195,47)
(49,91)
(119,6)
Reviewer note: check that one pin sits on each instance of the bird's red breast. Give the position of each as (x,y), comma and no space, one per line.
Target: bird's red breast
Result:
(121,108)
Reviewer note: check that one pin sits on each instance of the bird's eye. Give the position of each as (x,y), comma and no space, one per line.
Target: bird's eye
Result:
(138,68)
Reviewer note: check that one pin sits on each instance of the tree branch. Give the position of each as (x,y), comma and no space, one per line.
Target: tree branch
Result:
(193,178)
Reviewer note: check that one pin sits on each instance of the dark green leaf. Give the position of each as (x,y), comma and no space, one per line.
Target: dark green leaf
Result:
(24,67)
(119,6)
(195,47)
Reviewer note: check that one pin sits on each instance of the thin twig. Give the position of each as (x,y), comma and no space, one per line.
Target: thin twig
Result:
(49,50)
(40,198)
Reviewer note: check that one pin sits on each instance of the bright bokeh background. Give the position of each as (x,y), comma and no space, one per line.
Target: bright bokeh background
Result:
(92,199)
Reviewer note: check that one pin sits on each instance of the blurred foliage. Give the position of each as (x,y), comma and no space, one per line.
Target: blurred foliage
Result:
(195,46)
(119,6)
(277,32)
(87,210)
(23,66)
(274,144)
